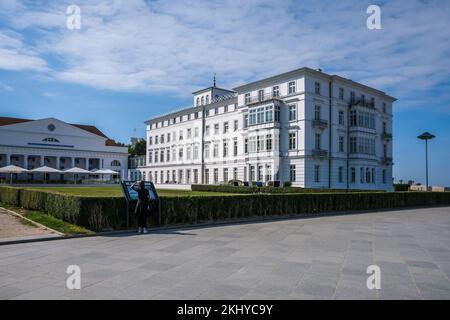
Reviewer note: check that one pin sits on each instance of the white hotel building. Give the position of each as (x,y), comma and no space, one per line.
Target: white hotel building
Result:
(305,126)
(53,143)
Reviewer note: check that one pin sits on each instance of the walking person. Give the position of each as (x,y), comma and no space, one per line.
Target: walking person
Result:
(142,206)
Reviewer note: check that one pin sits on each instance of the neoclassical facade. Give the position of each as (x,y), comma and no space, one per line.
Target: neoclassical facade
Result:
(51,142)
(305,126)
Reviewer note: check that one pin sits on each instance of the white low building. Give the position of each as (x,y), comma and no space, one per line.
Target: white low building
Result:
(51,142)
(305,126)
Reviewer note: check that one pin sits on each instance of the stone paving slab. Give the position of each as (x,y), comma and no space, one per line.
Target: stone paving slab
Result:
(310,258)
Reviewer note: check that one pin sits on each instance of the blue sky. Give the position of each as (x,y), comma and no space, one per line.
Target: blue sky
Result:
(134,59)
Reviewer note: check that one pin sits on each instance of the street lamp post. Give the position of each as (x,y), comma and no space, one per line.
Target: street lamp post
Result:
(426,136)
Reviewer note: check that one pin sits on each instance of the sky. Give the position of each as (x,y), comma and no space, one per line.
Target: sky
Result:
(134,59)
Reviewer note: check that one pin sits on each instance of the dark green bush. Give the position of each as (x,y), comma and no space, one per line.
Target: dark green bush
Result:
(267,189)
(10,195)
(401,187)
(287,184)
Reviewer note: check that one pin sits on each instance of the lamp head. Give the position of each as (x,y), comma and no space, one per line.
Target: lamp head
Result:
(426,136)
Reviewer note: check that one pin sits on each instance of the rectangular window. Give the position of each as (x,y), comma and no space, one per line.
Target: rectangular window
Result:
(341,93)
(246,145)
(341,144)
(291,87)
(181,135)
(189,133)
(156,139)
(353,175)
(292,172)
(216,150)
(292,140)
(180,154)
(225,149)
(247,98)
(317,88)
(341,174)
(168,137)
(352,97)
(207,131)
(384,176)
(276,91)
(156,156)
(195,152)
(216,128)
(292,112)
(216,176)
(260,95)
(317,112)
(162,156)
(361,175)
(245,121)
(225,127)
(150,157)
(341,117)
(269,142)
(225,175)
(225,109)
(150,141)
(196,132)
(235,148)
(207,176)
(235,173)
(318,141)
(206,151)
(384,107)
(316,173)
(188,153)
(236,125)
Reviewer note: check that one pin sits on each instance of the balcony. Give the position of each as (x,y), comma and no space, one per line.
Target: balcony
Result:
(261,98)
(362,103)
(386,136)
(319,123)
(385,161)
(319,153)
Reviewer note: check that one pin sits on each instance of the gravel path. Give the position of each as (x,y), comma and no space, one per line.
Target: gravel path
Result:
(10,226)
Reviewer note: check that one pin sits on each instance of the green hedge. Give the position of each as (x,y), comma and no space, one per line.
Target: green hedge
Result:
(94,213)
(212,208)
(99,213)
(268,189)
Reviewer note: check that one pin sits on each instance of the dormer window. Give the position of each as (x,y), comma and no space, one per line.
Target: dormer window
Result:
(203,100)
(207,99)
(198,101)
(50,140)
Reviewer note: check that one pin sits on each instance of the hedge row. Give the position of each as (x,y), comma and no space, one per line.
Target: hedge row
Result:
(212,208)
(99,213)
(94,213)
(267,189)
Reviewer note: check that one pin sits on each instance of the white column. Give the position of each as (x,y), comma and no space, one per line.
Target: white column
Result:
(58,164)
(8,159)
(25,161)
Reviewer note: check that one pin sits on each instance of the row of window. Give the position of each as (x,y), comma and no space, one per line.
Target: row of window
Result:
(362,145)
(366,175)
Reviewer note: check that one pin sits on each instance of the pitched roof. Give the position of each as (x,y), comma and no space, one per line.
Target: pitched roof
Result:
(4,121)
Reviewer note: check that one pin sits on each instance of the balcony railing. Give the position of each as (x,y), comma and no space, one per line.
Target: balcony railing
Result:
(319,123)
(386,136)
(386,160)
(319,153)
(262,98)
(362,102)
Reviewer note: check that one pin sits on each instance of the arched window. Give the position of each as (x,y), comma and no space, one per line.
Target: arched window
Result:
(207,98)
(203,100)
(198,101)
(50,140)
(115,163)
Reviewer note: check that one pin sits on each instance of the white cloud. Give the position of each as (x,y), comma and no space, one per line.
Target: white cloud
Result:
(15,56)
(6,87)
(177,45)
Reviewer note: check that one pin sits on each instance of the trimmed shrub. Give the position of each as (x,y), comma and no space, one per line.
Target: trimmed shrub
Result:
(10,195)
(401,187)
(268,189)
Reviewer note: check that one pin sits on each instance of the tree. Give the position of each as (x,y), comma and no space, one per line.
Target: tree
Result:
(138,149)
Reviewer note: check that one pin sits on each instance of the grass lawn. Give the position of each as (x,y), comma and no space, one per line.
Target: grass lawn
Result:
(115,191)
(48,221)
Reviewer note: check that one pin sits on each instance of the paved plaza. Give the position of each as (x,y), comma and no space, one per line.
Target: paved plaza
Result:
(311,258)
